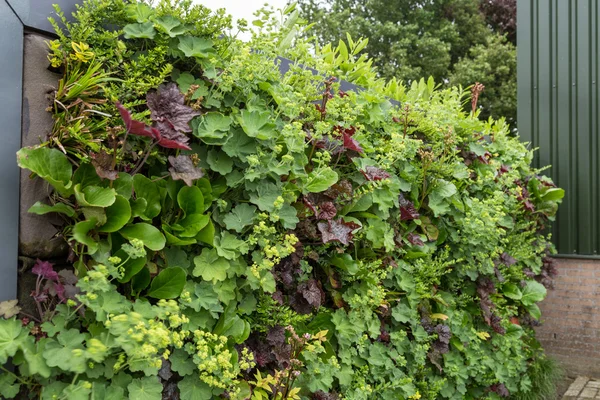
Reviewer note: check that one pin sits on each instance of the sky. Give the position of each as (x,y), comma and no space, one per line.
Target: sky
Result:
(241,8)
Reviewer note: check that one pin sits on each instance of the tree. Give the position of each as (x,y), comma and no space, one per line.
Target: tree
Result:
(411,39)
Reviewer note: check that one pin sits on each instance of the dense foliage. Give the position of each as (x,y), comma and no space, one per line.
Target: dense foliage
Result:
(238,233)
(412,39)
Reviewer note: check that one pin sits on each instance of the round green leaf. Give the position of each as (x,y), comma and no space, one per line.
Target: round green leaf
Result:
(141,281)
(146,388)
(131,267)
(94,196)
(147,190)
(533,292)
(144,30)
(168,284)
(117,215)
(210,266)
(152,238)
(40,208)
(80,234)
(50,165)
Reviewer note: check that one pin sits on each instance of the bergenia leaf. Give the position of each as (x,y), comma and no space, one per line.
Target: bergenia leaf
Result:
(407,209)
(337,231)
(374,173)
(184,169)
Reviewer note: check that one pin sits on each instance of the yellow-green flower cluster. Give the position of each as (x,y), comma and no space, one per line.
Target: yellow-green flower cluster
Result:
(214,360)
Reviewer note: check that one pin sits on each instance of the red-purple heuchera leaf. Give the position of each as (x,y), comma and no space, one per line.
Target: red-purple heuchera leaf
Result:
(337,231)
(415,239)
(311,292)
(327,210)
(407,209)
(134,127)
(349,142)
(44,269)
(374,173)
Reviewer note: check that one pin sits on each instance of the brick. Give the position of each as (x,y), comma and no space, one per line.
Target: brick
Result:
(588,393)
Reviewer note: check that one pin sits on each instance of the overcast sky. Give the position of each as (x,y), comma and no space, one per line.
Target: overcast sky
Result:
(241,8)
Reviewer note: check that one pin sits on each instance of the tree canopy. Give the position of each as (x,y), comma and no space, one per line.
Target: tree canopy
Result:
(454,41)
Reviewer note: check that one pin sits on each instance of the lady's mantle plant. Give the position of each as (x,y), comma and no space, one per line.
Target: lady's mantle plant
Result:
(238,233)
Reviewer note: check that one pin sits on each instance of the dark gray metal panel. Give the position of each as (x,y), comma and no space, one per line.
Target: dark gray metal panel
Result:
(558,92)
(11,65)
(34,13)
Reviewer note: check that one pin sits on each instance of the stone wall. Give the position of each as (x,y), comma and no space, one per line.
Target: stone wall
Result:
(571,317)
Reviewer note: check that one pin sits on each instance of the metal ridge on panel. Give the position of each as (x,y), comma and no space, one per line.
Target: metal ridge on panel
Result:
(34,13)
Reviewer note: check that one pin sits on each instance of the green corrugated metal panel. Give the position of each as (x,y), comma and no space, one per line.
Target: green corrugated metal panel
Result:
(558,73)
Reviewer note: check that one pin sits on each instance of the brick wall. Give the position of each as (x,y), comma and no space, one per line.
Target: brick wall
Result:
(571,317)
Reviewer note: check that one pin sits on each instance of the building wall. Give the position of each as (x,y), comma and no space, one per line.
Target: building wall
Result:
(571,317)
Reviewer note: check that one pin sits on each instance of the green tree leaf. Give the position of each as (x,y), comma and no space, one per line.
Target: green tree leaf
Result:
(195,47)
(210,266)
(139,31)
(240,216)
(152,238)
(50,165)
(168,284)
(146,388)
(41,209)
(117,215)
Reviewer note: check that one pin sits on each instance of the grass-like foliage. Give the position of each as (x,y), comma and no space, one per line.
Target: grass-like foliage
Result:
(237,233)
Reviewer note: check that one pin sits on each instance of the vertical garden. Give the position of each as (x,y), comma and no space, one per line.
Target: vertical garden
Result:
(238,233)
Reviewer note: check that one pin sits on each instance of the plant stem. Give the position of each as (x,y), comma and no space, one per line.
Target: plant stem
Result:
(141,164)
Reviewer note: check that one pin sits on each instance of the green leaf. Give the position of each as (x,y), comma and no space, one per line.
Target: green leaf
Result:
(210,266)
(533,292)
(12,336)
(182,363)
(139,11)
(190,200)
(192,388)
(512,291)
(131,267)
(168,284)
(40,208)
(139,31)
(86,175)
(345,263)
(239,145)
(50,165)
(229,246)
(256,124)
(146,388)
(534,311)
(123,185)
(267,193)
(320,180)
(195,47)
(152,238)
(207,234)
(212,125)
(80,234)
(8,388)
(241,216)
(94,196)
(147,190)
(141,280)
(219,161)
(553,194)
(171,25)
(117,215)
(36,363)
(288,216)
(67,353)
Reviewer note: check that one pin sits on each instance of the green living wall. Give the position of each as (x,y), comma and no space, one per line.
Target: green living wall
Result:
(237,233)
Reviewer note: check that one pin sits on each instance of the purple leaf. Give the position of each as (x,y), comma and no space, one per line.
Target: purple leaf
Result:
(169,113)
(134,127)
(415,239)
(407,209)
(327,210)
(183,168)
(351,144)
(374,173)
(44,269)
(311,292)
(500,389)
(337,230)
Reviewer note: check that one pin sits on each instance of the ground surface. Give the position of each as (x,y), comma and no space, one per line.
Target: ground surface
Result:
(583,388)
